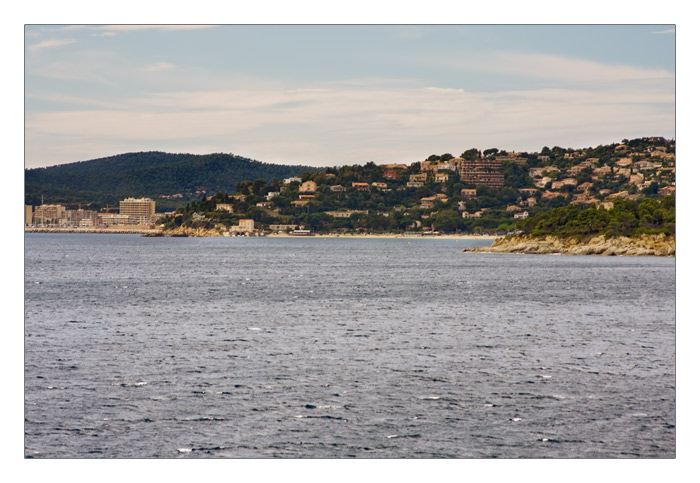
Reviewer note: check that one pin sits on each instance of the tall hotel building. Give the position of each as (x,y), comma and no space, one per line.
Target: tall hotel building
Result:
(140,211)
(482,172)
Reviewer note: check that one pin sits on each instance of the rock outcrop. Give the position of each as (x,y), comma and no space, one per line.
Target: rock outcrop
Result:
(194,232)
(644,245)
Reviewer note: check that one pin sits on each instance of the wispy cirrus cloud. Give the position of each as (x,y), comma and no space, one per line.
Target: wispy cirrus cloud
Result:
(662,32)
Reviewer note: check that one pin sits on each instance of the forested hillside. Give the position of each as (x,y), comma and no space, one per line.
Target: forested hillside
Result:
(167,178)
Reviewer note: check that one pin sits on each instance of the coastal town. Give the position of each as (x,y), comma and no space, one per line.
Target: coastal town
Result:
(477,192)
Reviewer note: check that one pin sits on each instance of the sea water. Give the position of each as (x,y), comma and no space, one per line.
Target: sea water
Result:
(320,347)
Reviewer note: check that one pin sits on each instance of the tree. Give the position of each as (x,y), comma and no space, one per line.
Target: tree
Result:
(652,189)
(447,221)
(472,153)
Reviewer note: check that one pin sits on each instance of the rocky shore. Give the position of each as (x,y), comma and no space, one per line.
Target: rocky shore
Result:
(193,232)
(644,245)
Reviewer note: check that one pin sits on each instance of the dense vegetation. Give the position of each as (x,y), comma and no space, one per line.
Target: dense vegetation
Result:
(625,218)
(152,174)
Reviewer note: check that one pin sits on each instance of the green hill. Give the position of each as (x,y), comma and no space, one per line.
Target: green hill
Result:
(152,174)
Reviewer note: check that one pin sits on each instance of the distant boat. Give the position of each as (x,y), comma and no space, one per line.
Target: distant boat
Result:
(302,233)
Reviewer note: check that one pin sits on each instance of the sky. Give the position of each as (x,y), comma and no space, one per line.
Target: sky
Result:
(327,95)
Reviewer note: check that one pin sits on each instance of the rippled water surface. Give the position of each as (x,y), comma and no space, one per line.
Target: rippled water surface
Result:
(339,348)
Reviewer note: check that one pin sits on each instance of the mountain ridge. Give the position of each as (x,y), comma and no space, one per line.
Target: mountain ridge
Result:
(154,174)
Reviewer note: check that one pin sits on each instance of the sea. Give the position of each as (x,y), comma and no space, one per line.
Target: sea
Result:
(339,348)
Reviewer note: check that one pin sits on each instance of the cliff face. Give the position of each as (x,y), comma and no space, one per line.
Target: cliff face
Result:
(645,245)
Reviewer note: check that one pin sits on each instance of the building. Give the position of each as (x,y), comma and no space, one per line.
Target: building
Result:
(308,187)
(393,166)
(82,218)
(528,191)
(391,174)
(345,213)
(468,193)
(482,173)
(49,215)
(283,227)
(361,186)
(557,185)
(428,202)
(245,226)
(337,188)
(113,219)
(225,206)
(141,211)
(435,166)
(292,180)
(27,214)
(541,183)
(603,171)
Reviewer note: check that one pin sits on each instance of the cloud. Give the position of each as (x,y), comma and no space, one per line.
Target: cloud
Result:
(662,32)
(46,44)
(347,124)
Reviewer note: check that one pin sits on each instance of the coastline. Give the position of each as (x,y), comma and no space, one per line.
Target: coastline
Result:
(388,236)
(139,230)
(644,245)
(215,233)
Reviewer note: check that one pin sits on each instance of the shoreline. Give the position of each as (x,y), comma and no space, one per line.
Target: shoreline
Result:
(121,230)
(388,236)
(212,233)
(643,245)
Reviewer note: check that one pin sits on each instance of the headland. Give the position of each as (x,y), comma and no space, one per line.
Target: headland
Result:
(644,245)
